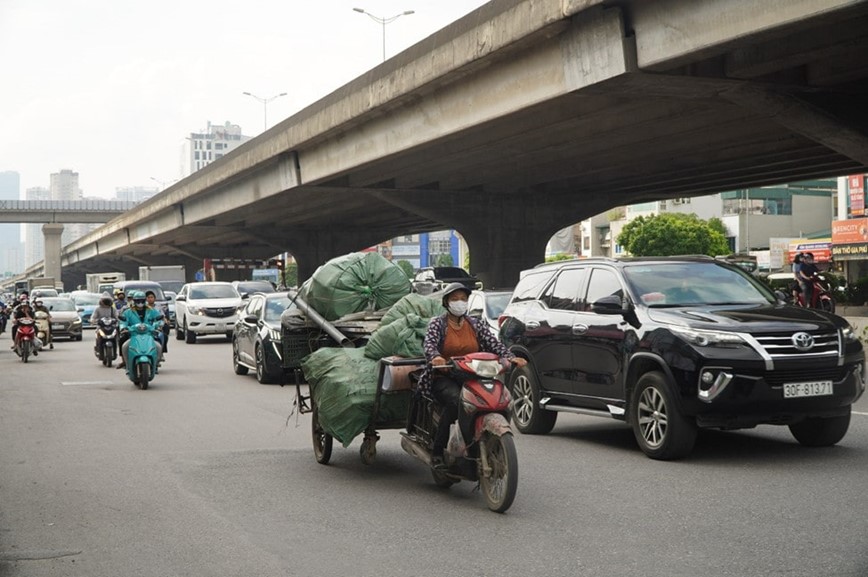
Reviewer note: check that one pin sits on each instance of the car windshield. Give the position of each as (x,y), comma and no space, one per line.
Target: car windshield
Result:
(450,272)
(214,291)
(254,287)
(157,290)
(495,303)
(274,307)
(693,283)
(59,304)
(84,300)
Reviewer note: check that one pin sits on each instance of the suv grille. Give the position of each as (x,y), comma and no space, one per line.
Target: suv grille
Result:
(777,377)
(781,345)
(219,313)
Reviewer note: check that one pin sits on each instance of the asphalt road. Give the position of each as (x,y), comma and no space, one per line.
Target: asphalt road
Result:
(209,474)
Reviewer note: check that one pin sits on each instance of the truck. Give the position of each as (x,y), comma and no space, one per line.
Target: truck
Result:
(42,282)
(171,277)
(100,282)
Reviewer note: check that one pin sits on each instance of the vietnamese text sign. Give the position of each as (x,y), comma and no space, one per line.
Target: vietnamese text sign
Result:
(856,184)
(850,231)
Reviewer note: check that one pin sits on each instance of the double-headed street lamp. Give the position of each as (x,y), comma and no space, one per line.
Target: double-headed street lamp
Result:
(264,102)
(383,21)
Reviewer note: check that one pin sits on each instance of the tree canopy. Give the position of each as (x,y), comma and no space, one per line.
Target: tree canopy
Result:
(674,233)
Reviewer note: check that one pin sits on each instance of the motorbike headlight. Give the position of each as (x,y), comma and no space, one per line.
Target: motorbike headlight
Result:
(486,369)
(704,338)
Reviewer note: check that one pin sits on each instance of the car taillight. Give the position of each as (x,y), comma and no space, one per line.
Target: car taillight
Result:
(500,320)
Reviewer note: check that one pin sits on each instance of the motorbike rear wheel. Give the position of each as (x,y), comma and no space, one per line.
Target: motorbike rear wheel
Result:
(107,356)
(322,441)
(500,482)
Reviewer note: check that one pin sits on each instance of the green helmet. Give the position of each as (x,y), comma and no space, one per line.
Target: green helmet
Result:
(138,299)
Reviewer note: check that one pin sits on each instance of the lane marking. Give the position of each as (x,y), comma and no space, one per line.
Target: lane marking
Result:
(76,383)
(858,413)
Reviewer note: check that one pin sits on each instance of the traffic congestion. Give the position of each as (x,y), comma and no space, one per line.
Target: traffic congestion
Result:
(362,382)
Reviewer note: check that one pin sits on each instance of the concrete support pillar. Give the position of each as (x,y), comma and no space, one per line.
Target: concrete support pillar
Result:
(51,232)
(311,249)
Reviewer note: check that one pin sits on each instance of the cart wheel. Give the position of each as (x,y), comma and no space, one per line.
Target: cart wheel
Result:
(322,441)
(368,450)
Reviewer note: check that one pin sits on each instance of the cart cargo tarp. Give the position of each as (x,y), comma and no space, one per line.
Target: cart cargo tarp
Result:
(354,283)
(402,338)
(424,306)
(343,384)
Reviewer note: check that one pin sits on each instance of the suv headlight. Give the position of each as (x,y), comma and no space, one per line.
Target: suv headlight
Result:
(850,334)
(704,338)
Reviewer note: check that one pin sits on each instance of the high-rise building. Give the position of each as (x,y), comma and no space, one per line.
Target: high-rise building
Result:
(11,249)
(203,148)
(64,186)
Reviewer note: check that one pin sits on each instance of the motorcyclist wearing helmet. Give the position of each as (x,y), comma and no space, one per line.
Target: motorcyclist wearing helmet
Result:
(806,278)
(39,306)
(22,311)
(105,308)
(139,313)
(454,334)
(120,300)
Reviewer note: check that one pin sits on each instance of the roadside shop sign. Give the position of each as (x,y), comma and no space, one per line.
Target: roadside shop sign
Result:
(820,247)
(856,184)
(850,239)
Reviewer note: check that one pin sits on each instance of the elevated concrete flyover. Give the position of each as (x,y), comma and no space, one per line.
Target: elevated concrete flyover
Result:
(524,117)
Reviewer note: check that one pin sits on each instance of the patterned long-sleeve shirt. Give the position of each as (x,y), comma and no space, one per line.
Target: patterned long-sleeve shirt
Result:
(436,335)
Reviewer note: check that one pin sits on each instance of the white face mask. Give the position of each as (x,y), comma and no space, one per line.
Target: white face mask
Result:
(458,308)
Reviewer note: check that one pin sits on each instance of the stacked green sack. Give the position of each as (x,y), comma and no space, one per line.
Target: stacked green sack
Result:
(343,384)
(403,328)
(354,283)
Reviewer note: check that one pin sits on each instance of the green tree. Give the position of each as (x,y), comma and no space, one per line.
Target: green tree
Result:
(406,267)
(444,260)
(673,233)
(290,275)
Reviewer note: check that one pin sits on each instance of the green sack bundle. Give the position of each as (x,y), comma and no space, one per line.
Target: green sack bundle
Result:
(414,303)
(402,337)
(343,384)
(354,283)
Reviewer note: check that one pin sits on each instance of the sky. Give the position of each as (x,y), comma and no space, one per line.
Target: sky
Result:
(110,88)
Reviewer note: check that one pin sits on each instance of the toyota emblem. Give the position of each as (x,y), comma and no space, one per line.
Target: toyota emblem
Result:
(803,341)
(220,312)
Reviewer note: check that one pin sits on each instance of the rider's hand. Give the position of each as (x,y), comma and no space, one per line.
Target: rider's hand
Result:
(438,363)
(519,362)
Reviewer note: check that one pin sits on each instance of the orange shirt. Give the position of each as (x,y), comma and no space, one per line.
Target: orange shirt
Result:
(459,342)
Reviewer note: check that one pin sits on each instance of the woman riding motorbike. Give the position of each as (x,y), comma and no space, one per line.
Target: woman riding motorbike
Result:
(22,311)
(454,334)
(139,313)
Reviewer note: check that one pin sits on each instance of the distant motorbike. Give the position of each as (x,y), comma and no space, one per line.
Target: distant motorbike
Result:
(821,297)
(481,448)
(27,340)
(142,358)
(4,318)
(107,340)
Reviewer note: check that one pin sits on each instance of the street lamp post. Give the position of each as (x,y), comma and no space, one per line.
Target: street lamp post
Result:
(264,102)
(383,21)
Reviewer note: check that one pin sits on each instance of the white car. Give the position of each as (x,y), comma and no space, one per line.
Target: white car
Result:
(206,308)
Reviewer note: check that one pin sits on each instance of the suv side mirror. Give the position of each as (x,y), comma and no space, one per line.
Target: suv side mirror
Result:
(781,296)
(609,305)
(180,298)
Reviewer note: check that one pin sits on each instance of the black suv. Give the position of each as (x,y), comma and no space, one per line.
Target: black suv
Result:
(675,344)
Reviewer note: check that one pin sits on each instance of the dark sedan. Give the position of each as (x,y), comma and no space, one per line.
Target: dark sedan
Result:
(256,338)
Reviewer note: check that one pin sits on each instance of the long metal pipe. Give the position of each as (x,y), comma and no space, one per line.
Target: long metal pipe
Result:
(320,321)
